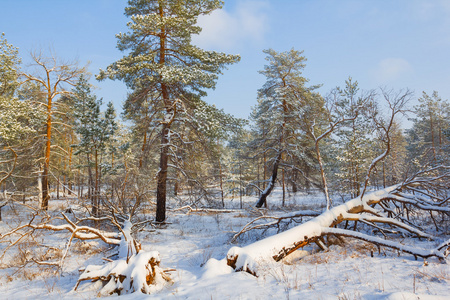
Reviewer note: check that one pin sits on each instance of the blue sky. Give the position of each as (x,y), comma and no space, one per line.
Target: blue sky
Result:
(392,43)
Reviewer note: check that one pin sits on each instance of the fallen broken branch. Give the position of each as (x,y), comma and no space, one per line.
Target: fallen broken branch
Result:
(140,272)
(191,209)
(274,221)
(368,209)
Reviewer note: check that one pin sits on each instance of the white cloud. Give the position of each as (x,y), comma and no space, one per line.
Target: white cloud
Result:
(391,69)
(222,29)
(429,10)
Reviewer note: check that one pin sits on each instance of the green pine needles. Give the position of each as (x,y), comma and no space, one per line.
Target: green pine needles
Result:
(166,73)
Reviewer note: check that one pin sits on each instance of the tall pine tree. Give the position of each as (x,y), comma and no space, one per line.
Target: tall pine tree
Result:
(355,144)
(429,137)
(283,103)
(165,71)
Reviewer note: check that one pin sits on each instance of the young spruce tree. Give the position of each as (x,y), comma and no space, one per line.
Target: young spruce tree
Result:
(95,129)
(164,69)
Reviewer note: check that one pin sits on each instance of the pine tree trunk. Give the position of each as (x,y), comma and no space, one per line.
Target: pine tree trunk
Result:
(240,185)
(162,176)
(4,198)
(268,190)
(90,187)
(284,188)
(161,190)
(264,171)
(40,193)
(57,189)
(95,207)
(2,206)
(294,180)
(175,188)
(221,183)
(45,194)
(258,179)
(44,182)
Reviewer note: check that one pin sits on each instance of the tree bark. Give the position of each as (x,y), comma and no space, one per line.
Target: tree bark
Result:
(95,206)
(45,193)
(240,185)
(322,175)
(57,189)
(284,188)
(221,183)
(162,176)
(90,184)
(268,190)
(161,190)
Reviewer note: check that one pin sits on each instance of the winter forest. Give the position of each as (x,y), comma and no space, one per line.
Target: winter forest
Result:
(317,195)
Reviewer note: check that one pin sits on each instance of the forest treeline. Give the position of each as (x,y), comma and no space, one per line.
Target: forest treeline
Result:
(57,136)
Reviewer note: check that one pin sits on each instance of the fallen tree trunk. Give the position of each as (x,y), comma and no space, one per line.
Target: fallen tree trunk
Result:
(359,209)
(273,221)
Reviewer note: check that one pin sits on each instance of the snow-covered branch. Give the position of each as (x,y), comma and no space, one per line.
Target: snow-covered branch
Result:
(369,209)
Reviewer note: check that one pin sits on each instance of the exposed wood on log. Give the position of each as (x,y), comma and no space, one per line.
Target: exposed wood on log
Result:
(125,276)
(361,209)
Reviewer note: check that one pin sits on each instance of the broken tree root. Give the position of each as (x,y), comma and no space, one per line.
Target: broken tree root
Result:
(141,272)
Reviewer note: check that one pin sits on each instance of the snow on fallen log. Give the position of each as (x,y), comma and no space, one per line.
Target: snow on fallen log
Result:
(280,245)
(274,221)
(134,271)
(141,272)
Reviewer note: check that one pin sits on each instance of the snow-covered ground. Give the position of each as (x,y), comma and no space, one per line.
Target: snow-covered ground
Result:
(195,244)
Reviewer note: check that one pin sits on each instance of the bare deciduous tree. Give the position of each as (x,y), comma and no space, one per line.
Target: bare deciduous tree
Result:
(53,76)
